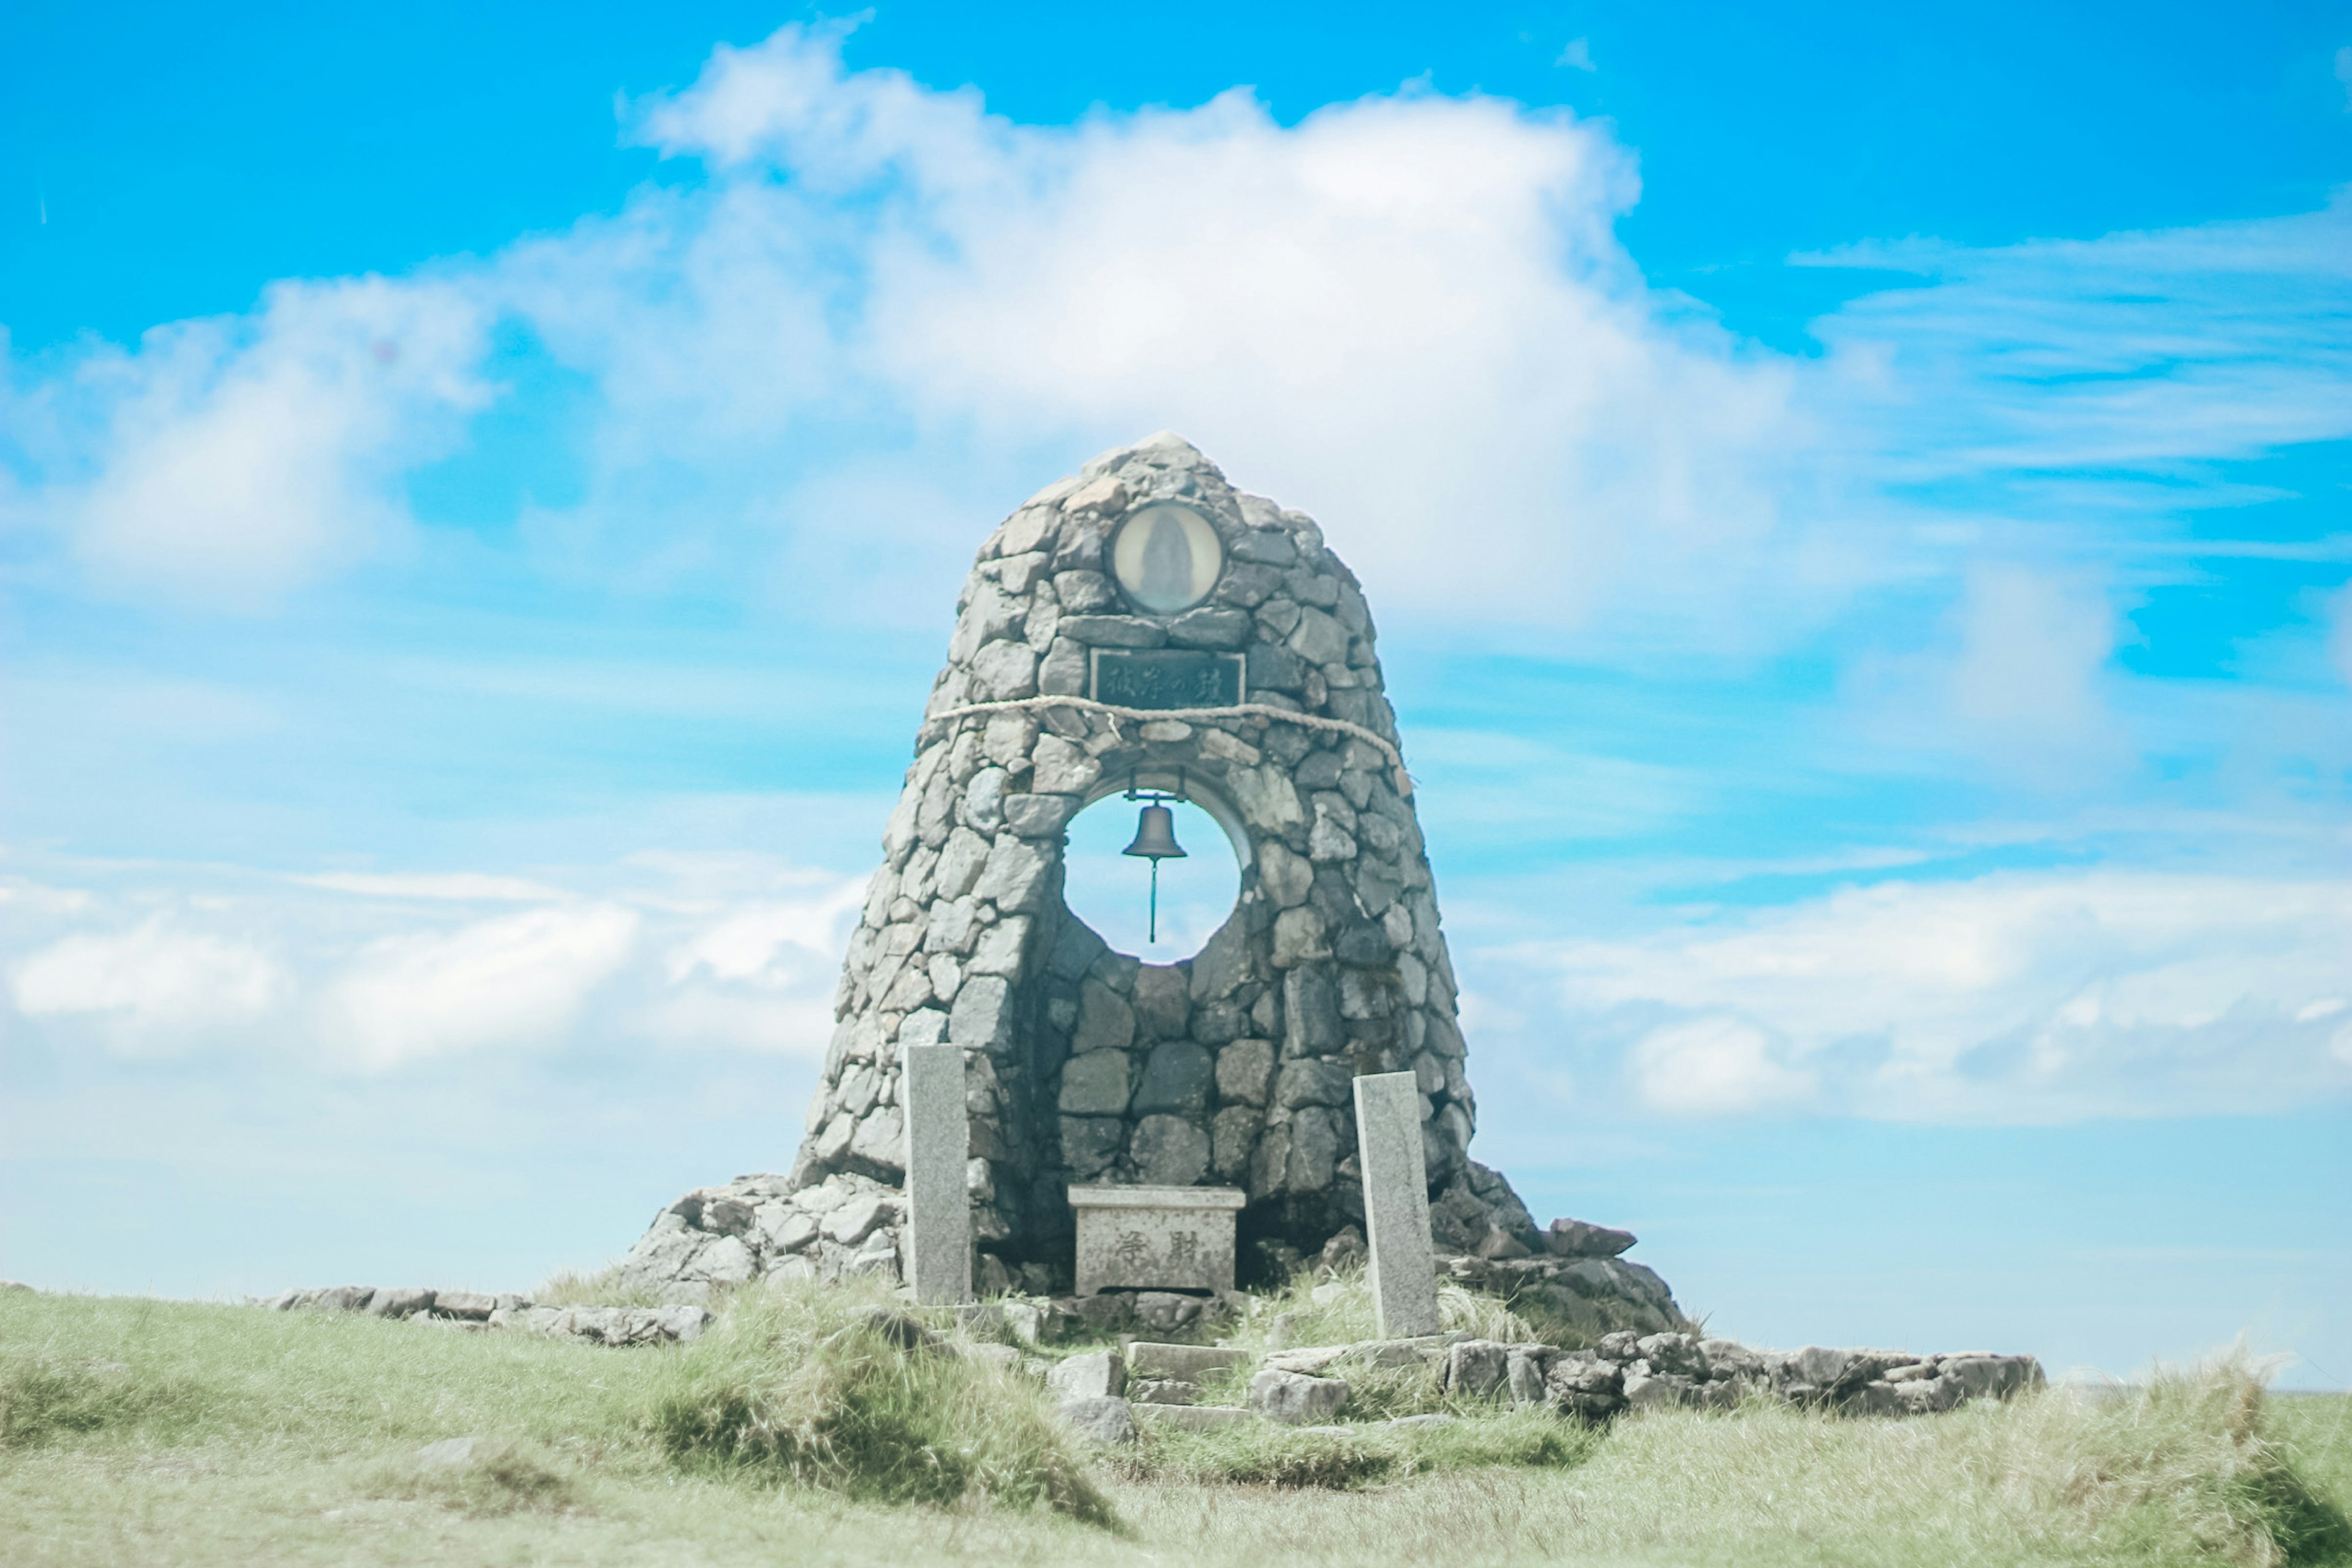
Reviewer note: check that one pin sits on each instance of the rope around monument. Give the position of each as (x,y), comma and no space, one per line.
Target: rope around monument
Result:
(1263,710)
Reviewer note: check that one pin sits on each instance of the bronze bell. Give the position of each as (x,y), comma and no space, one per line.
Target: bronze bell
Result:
(1155,836)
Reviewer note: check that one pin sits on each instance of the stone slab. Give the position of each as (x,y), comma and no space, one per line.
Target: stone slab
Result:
(938,1145)
(1195,1417)
(1148,1358)
(1155,1238)
(1402,1274)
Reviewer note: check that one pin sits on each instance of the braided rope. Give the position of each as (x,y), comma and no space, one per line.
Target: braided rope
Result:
(1147,715)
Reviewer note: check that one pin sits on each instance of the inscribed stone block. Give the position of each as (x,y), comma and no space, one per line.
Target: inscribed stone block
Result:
(1403,1274)
(1155,1238)
(939,1212)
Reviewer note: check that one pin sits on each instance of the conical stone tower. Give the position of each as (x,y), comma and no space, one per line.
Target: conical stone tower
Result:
(1140,625)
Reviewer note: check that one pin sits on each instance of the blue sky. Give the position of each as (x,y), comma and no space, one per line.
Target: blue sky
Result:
(1856,503)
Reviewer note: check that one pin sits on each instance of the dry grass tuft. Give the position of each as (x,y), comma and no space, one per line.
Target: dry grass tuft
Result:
(810,1384)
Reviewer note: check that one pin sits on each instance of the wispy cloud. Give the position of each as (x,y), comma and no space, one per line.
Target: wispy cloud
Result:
(2012,997)
(341,971)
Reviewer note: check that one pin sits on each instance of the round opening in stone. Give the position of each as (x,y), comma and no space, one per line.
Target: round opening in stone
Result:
(1107,887)
(1167,557)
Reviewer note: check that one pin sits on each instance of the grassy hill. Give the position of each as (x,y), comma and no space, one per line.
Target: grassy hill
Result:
(167,1433)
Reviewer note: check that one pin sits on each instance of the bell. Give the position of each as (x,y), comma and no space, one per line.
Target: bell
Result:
(1155,840)
(1155,836)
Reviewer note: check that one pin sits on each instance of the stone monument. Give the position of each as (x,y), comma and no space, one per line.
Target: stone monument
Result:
(939,1212)
(1141,624)
(1396,1205)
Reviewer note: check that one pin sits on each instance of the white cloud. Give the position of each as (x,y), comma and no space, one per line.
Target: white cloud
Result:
(517,981)
(1714,1066)
(152,989)
(885,313)
(231,461)
(380,970)
(2019,996)
(2030,654)
(462,886)
(1577,55)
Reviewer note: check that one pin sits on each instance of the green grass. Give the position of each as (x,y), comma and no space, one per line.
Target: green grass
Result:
(182,1434)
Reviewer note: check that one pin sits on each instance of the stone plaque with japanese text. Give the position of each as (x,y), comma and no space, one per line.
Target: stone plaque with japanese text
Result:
(1155,1238)
(1164,678)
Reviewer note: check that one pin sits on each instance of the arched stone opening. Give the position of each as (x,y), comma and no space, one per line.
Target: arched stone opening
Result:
(1114,892)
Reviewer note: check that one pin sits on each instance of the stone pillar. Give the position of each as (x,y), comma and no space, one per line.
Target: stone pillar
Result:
(939,1145)
(1396,1204)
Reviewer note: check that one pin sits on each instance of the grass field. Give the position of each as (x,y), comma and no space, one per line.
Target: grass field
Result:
(150,1432)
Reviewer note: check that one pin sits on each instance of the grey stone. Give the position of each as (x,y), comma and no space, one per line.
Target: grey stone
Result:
(1312,1081)
(615,1327)
(389,1302)
(1089,1144)
(877,1140)
(1185,1363)
(1659,1390)
(1101,1419)
(1231,1137)
(1000,948)
(1176,1078)
(1095,1084)
(1243,1068)
(1094,1375)
(1162,1000)
(1016,874)
(960,864)
(1106,1022)
(1523,1374)
(1170,1152)
(1315,1146)
(854,1221)
(1298,938)
(1476,1367)
(1310,1009)
(1211,628)
(1113,631)
(1003,670)
(1574,1239)
(1039,815)
(983,1018)
(1083,592)
(475,1305)
(1396,1203)
(1295,1399)
(1164,1391)
(939,1207)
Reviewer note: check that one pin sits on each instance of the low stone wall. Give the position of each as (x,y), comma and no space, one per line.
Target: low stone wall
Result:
(1104,1395)
(1634,1372)
(479,1311)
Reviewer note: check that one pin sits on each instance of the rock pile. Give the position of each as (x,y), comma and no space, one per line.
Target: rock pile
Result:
(476,1310)
(763,1226)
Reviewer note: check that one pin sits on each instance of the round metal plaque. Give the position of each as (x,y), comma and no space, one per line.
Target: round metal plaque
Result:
(1167,557)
